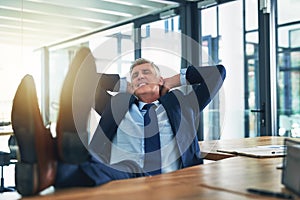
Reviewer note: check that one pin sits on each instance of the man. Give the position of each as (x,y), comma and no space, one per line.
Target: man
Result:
(118,149)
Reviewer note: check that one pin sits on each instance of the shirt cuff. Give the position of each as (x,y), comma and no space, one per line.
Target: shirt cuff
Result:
(123,84)
(183,76)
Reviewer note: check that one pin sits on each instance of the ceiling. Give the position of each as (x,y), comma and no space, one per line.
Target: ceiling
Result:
(37,23)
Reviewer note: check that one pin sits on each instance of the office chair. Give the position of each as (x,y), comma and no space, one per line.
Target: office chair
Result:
(5,160)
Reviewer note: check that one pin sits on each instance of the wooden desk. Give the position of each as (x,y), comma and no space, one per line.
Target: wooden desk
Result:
(7,130)
(224,179)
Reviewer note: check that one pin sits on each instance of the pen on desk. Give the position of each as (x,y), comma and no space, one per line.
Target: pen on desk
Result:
(270,193)
(277,152)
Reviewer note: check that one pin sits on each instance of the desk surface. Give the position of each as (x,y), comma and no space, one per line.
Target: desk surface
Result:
(6,130)
(223,179)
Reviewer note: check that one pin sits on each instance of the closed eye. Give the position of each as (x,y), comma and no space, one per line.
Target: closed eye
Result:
(146,71)
(134,75)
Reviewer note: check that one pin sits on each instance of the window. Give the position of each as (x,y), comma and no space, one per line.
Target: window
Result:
(229,40)
(114,49)
(16,61)
(289,68)
(161,43)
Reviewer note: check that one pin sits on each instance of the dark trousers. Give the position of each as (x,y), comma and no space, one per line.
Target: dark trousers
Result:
(94,172)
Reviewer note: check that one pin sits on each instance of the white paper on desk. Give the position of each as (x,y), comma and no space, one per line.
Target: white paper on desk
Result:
(279,147)
(258,151)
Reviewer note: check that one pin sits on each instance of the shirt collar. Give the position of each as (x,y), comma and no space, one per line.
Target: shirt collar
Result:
(141,104)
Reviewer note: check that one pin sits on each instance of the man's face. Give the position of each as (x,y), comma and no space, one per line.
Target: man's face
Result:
(143,75)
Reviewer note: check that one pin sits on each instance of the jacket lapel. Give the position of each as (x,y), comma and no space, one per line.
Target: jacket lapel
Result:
(111,117)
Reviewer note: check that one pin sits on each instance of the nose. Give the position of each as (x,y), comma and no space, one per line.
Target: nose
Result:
(140,76)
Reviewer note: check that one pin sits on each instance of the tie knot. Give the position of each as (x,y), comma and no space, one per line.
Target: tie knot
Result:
(148,106)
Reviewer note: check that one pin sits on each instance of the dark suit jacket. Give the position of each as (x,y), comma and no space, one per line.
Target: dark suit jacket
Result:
(182,109)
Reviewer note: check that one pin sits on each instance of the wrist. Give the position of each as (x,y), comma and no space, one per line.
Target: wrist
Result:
(183,76)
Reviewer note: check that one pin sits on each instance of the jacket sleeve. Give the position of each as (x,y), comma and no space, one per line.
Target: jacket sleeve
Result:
(107,82)
(206,82)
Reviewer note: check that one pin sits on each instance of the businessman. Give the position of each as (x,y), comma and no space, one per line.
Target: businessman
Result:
(148,128)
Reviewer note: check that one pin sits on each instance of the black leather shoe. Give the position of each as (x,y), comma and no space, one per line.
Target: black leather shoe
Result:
(36,168)
(76,101)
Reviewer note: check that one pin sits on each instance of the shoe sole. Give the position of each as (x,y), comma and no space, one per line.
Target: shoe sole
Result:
(23,120)
(26,144)
(26,176)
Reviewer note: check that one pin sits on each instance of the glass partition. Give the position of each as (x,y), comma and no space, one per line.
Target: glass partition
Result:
(224,23)
(161,43)
(289,68)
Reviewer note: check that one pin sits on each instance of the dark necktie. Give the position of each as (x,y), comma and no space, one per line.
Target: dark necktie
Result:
(152,160)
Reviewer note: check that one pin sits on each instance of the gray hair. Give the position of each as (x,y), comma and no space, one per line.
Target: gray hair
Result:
(141,61)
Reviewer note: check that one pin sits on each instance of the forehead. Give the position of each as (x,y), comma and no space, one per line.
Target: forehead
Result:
(142,67)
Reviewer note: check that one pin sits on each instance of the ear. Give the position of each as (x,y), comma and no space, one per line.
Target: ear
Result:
(161,81)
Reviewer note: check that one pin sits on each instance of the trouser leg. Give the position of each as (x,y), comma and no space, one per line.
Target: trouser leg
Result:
(93,173)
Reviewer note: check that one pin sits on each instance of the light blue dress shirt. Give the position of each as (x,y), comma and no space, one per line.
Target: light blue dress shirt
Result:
(128,144)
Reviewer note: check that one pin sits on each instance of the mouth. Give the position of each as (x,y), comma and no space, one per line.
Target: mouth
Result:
(141,84)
